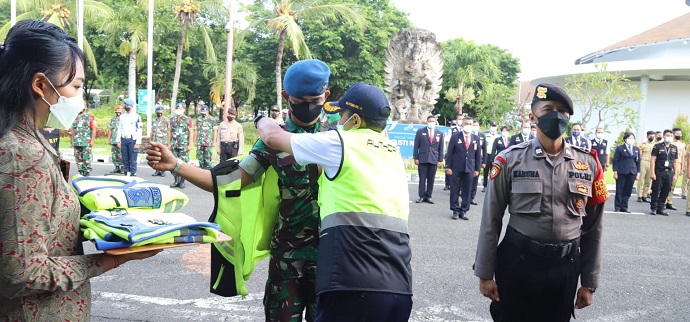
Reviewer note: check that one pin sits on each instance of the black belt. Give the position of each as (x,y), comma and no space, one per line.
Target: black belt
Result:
(539,248)
(664,169)
(229,143)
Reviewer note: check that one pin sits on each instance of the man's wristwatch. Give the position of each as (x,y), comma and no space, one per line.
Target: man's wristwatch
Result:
(592,289)
(256,119)
(178,166)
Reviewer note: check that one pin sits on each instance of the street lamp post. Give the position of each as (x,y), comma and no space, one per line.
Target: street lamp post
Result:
(228,63)
(13,12)
(149,71)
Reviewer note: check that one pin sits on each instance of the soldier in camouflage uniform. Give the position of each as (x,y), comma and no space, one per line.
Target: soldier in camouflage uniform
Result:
(180,126)
(115,152)
(205,134)
(160,127)
(83,136)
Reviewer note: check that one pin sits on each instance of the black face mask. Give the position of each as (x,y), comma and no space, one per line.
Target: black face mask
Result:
(118,113)
(650,139)
(553,124)
(230,118)
(306,112)
(127,108)
(159,114)
(659,139)
(677,137)
(274,115)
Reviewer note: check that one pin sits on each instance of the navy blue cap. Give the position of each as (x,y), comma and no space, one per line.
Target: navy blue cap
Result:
(203,107)
(306,78)
(129,101)
(364,99)
(159,108)
(551,92)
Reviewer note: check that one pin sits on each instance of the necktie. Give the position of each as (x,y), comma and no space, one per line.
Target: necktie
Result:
(505,141)
(467,142)
(431,137)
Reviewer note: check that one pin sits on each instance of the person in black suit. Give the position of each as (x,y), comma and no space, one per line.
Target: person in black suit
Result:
(524,135)
(626,169)
(577,138)
(500,143)
(428,156)
(454,128)
(463,162)
(601,145)
(482,143)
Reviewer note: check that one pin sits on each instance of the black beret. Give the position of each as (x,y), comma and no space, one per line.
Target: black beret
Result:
(551,92)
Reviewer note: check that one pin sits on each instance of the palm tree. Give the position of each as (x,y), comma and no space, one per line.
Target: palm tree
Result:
(285,25)
(467,64)
(244,74)
(187,12)
(60,13)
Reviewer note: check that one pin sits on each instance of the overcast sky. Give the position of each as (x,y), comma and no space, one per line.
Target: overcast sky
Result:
(545,35)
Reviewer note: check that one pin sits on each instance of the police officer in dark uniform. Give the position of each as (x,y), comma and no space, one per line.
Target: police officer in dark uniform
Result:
(601,145)
(483,144)
(664,167)
(555,194)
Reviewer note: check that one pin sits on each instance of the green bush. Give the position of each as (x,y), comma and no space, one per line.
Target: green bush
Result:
(682,123)
(250,135)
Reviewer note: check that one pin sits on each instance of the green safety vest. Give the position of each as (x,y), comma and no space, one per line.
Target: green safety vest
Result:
(120,192)
(364,243)
(248,215)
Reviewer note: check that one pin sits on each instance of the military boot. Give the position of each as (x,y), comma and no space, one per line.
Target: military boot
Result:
(155,173)
(161,174)
(116,170)
(181,184)
(177,181)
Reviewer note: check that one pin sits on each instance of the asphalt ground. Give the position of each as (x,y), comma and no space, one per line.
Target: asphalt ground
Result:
(645,269)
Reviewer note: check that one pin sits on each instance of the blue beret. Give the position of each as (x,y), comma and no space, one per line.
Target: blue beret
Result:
(159,108)
(180,104)
(204,107)
(306,78)
(129,101)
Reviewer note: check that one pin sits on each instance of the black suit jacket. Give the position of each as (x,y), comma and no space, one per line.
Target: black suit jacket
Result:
(584,143)
(499,145)
(460,159)
(602,151)
(517,138)
(425,151)
(626,161)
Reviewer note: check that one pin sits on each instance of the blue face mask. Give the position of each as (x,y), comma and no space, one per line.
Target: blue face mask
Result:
(576,133)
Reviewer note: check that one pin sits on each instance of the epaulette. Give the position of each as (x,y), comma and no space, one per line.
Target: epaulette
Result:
(520,146)
(583,149)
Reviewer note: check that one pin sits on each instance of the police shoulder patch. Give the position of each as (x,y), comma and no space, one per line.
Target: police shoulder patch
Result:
(495,170)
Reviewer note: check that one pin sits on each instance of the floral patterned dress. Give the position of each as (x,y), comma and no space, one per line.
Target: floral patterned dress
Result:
(44,274)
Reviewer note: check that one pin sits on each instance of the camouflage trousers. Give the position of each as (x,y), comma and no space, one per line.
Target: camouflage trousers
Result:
(204,155)
(116,154)
(82,155)
(181,153)
(290,289)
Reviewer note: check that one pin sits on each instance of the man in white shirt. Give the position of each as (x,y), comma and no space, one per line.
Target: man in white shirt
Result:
(129,137)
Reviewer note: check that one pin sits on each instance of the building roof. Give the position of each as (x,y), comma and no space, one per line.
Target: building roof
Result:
(524,93)
(678,28)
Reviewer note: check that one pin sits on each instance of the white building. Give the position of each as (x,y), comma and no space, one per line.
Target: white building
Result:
(657,61)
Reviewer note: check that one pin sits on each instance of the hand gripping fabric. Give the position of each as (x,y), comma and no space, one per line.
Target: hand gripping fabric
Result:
(248,215)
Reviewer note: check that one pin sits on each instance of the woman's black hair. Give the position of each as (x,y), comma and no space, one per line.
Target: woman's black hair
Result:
(31,47)
(628,134)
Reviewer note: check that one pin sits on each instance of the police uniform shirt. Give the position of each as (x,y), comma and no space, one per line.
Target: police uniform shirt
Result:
(550,199)
(664,153)
(229,132)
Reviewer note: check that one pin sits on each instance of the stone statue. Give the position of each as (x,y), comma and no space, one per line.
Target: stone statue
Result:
(414,66)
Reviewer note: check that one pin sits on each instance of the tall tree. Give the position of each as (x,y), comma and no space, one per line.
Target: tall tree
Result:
(187,12)
(602,97)
(62,13)
(286,24)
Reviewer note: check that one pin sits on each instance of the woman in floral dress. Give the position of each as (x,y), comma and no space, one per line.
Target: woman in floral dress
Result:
(44,274)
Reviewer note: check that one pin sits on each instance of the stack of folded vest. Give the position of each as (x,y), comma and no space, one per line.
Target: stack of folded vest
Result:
(128,212)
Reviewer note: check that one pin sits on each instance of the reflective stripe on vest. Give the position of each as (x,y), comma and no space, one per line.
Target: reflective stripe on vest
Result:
(365,220)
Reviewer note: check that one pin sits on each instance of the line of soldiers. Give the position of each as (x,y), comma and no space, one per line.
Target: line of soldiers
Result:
(178,132)
(654,147)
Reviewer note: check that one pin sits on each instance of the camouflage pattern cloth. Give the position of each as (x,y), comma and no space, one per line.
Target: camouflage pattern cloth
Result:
(179,132)
(204,140)
(181,153)
(159,127)
(115,152)
(81,127)
(290,288)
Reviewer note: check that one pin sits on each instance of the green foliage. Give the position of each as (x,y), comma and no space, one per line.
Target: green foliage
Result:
(602,97)
(682,123)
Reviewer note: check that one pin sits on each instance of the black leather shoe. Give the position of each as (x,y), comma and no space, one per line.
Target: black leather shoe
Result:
(616,210)
(683,197)
(473,203)
(670,206)
(625,210)
(446,188)
(455,215)
(687,214)
(484,189)
(428,200)
(644,199)
(463,217)
(661,212)
(653,212)
(419,200)
(639,199)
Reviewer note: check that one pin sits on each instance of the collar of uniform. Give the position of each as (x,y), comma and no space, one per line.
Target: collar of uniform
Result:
(540,153)
(291,127)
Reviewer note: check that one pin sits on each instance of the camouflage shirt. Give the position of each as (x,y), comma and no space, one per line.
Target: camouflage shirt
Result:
(159,127)
(81,127)
(114,126)
(179,131)
(296,233)
(204,130)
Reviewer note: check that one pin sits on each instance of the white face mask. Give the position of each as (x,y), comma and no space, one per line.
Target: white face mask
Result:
(494,129)
(65,111)
(630,141)
(599,136)
(431,125)
(179,111)
(467,128)
(668,139)
(505,134)
(475,129)
(526,132)
(341,127)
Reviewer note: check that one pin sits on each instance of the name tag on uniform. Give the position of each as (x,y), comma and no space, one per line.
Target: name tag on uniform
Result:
(666,164)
